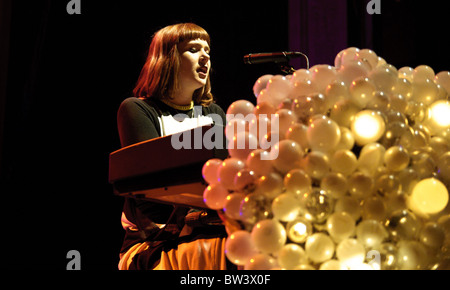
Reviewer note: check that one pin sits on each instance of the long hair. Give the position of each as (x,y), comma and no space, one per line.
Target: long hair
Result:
(158,78)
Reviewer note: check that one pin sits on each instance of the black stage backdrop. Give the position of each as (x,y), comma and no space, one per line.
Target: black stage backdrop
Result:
(63,77)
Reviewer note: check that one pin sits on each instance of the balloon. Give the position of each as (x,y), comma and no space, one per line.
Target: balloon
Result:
(319,248)
(239,247)
(371,233)
(340,226)
(297,182)
(350,252)
(286,155)
(259,162)
(210,170)
(228,170)
(322,75)
(429,196)
(299,230)
(291,256)
(232,205)
(352,70)
(367,127)
(443,79)
(323,134)
(344,162)
(361,91)
(215,196)
(240,108)
(422,73)
(269,236)
(285,207)
(261,84)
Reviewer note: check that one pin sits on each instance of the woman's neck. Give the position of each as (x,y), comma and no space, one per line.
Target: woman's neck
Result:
(182,97)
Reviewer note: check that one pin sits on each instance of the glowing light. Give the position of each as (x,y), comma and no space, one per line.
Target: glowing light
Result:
(439,115)
(367,127)
(429,196)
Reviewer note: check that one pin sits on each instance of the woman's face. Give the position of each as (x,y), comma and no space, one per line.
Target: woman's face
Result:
(195,64)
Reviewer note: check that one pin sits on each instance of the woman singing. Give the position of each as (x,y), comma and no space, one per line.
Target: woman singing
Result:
(174,79)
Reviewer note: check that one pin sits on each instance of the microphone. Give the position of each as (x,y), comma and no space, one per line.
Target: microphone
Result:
(276,57)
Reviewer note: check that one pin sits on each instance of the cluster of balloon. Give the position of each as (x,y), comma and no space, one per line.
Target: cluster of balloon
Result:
(362,172)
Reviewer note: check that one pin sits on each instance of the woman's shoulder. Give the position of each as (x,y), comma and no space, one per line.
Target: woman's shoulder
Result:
(133,103)
(214,108)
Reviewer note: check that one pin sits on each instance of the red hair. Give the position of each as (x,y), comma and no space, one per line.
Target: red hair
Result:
(158,78)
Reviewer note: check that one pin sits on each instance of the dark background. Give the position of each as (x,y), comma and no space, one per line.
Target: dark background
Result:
(64,76)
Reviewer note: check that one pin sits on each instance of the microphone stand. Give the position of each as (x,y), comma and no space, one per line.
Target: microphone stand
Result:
(286,68)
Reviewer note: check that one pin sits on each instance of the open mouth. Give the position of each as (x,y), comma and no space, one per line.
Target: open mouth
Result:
(203,71)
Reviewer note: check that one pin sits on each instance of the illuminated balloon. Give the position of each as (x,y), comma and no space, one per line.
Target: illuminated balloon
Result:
(259,162)
(443,79)
(429,196)
(319,205)
(228,170)
(261,84)
(255,207)
(264,108)
(242,144)
(424,91)
(297,133)
(323,134)
(344,162)
(432,235)
(322,75)
(297,182)
(215,196)
(406,72)
(361,91)
(232,205)
(269,236)
(343,112)
(261,262)
(301,75)
(336,91)
(240,108)
(396,158)
(384,78)
(303,88)
(340,226)
(411,255)
(299,230)
(291,256)
(369,56)
(270,185)
(305,106)
(350,252)
(360,185)
(422,73)
(334,184)
(403,225)
(286,207)
(367,127)
(352,70)
(371,233)
(286,155)
(245,180)
(439,116)
(332,265)
(316,164)
(210,170)
(239,247)
(319,248)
